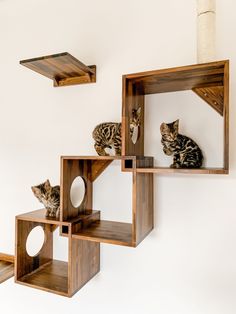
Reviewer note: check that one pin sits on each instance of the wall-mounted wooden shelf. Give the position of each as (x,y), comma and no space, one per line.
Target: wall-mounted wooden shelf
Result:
(63,69)
(6,267)
(210,81)
(114,232)
(82,225)
(42,271)
(167,170)
(104,231)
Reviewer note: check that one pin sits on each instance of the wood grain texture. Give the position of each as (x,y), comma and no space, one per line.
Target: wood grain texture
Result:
(62,68)
(166,170)
(81,222)
(84,263)
(214,96)
(98,166)
(70,169)
(24,263)
(89,168)
(7,258)
(143,208)
(179,78)
(113,232)
(104,231)
(6,270)
(51,277)
(209,80)
(132,98)
(39,216)
(226,116)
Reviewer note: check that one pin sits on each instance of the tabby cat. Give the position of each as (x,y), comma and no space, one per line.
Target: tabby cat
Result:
(186,153)
(49,196)
(108,134)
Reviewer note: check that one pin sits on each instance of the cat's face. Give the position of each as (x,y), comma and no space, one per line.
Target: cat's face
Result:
(135,119)
(42,191)
(169,131)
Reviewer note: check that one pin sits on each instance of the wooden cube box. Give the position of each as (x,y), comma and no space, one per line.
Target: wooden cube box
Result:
(210,81)
(86,222)
(42,271)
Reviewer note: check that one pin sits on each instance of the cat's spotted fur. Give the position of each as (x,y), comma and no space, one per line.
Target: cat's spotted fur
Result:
(186,153)
(108,134)
(49,196)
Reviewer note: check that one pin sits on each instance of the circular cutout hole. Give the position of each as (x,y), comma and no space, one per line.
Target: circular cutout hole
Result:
(77,191)
(35,241)
(135,134)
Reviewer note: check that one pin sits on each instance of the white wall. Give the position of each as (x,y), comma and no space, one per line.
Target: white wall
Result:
(187,264)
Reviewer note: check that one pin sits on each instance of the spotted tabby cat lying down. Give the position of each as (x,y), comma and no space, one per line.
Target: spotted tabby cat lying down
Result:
(186,153)
(108,134)
(49,196)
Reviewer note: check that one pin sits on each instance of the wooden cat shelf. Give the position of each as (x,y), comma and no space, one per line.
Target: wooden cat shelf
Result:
(82,226)
(63,69)
(6,267)
(94,228)
(210,81)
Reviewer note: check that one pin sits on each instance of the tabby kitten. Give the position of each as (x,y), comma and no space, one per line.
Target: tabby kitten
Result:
(49,196)
(108,134)
(186,153)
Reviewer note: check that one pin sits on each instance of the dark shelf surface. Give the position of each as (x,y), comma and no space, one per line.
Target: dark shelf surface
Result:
(6,270)
(52,277)
(107,232)
(63,68)
(39,216)
(179,78)
(167,170)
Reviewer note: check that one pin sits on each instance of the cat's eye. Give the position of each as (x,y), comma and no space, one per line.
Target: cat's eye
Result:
(77,191)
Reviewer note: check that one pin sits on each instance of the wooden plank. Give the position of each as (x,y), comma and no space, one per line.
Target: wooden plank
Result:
(62,68)
(217,66)
(7,257)
(99,157)
(6,270)
(143,208)
(70,169)
(84,263)
(178,78)
(132,98)
(226,116)
(105,231)
(51,277)
(39,216)
(166,170)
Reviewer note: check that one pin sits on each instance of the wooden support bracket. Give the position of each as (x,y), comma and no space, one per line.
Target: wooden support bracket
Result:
(213,95)
(63,69)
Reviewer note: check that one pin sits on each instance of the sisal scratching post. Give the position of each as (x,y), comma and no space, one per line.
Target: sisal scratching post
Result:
(206,31)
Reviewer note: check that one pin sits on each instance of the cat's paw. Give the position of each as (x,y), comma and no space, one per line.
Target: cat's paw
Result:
(167,151)
(175,166)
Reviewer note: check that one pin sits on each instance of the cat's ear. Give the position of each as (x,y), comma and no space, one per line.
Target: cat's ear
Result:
(163,128)
(139,111)
(176,125)
(35,190)
(47,185)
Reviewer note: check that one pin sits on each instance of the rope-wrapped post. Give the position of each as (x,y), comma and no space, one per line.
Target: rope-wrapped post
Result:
(206,31)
